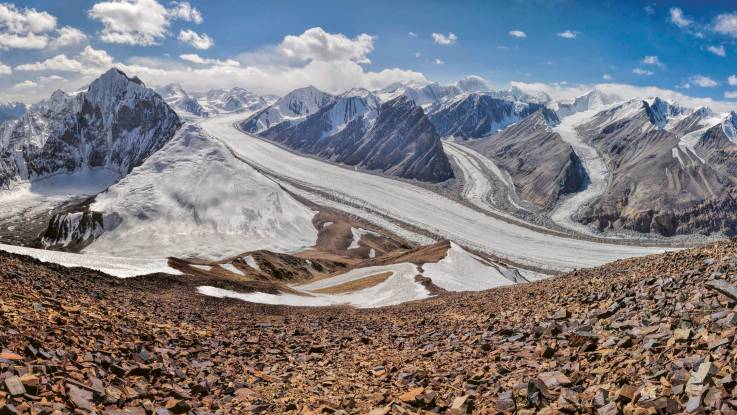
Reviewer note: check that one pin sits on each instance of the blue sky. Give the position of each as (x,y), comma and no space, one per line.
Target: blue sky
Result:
(684,46)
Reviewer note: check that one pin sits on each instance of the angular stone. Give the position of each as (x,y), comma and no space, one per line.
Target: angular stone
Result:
(723,287)
(14,386)
(411,396)
(81,398)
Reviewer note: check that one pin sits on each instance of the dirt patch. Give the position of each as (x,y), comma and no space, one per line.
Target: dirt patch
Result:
(356,285)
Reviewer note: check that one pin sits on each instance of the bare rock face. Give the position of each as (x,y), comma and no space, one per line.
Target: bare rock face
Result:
(543,167)
(395,137)
(116,124)
(658,185)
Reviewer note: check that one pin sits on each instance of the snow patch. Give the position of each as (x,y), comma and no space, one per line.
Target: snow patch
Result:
(358,233)
(231,268)
(463,271)
(252,262)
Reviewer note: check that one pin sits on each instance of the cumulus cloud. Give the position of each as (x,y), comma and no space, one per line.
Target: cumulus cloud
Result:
(606,77)
(195,58)
(56,63)
(717,50)
(726,24)
(643,72)
(139,22)
(678,18)
(316,44)
(439,61)
(185,11)
(68,36)
(198,41)
(517,33)
(5,69)
(444,40)
(25,84)
(732,80)
(568,34)
(730,94)
(24,28)
(703,81)
(90,60)
(51,78)
(653,61)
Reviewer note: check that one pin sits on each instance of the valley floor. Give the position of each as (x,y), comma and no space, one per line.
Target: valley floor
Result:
(404,208)
(644,335)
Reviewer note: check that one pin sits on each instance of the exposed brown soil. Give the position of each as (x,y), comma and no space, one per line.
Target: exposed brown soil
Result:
(356,285)
(647,335)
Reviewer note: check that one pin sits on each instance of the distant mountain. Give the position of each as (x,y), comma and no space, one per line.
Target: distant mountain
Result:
(180,101)
(395,137)
(116,124)
(474,115)
(663,178)
(293,107)
(543,167)
(595,99)
(218,101)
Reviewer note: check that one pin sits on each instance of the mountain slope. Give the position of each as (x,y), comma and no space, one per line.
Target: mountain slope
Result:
(180,101)
(658,184)
(543,167)
(116,124)
(395,138)
(476,115)
(293,108)
(191,198)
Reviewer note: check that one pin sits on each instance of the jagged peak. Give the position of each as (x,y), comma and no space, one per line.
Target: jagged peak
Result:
(472,83)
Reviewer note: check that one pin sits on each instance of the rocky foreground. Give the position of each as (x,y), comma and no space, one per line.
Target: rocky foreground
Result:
(641,336)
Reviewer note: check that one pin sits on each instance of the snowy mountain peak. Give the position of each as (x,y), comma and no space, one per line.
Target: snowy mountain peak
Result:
(594,99)
(729,126)
(472,83)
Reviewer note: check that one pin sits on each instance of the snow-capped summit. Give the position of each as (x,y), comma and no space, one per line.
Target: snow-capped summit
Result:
(181,101)
(472,83)
(293,107)
(425,95)
(237,99)
(116,124)
(729,126)
(594,99)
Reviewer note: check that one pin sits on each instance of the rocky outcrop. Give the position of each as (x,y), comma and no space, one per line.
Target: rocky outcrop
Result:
(476,115)
(543,167)
(116,124)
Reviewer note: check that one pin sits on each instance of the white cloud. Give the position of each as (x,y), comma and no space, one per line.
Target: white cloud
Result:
(25,84)
(703,81)
(650,8)
(444,40)
(418,55)
(413,34)
(24,28)
(640,71)
(726,24)
(195,58)
(51,78)
(139,22)
(95,58)
(625,91)
(68,36)
(57,63)
(315,44)
(606,77)
(717,50)
(439,61)
(568,34)
(185,11)
(5,69)
(517,33)
(732,80)
(197,41)
(653,61)
(90,60)
(730,94)
(678,18)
